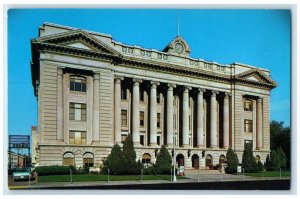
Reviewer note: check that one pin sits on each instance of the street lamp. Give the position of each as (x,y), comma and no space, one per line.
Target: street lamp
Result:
(174,157)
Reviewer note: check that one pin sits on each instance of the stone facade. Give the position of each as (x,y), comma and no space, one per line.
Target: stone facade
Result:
(93,91)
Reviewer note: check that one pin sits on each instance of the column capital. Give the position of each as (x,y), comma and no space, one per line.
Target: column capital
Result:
(201,90)
(214,92)
(59,71)
(154,84)
(137,81)
(170,85)
(118,77)
(96,76)
(187,88)
(259,99)
(227,94)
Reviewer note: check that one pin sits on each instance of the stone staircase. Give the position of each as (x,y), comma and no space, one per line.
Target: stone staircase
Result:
(201,171)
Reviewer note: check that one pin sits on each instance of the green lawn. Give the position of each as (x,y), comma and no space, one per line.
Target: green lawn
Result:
(270,174)
(90,178)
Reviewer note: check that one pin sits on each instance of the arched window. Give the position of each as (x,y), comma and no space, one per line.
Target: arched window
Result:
(77,83)
(257,158)
(88,159)
(146,159)
(69,159)
(221,159)
(208,161)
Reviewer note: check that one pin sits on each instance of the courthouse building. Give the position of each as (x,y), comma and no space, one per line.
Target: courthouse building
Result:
(93,92)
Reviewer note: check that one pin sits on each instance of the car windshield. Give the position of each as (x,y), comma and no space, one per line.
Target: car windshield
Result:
(22,170)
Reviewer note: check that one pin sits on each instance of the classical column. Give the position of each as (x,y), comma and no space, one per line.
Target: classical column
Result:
(96,121)
(60,107)
(213,120)
(226,121)
(136,111)
(259,124)
(185,117)
(200,115)
(170,112)
(153,114)
(118,109)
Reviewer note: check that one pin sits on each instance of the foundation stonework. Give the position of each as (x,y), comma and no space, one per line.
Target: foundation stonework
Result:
(93,91)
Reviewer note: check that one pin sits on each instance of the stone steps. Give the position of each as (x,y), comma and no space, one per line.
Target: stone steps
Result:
(201,171)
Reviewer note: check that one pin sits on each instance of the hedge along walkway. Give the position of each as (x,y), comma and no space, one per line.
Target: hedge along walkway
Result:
(90,178)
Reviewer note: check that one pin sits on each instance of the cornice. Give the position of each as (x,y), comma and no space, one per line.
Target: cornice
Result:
(134,62)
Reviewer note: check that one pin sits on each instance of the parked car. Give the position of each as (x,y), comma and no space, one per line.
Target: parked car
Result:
(22,174)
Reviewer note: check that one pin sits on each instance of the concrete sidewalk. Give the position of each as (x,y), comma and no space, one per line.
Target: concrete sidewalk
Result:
(191,178)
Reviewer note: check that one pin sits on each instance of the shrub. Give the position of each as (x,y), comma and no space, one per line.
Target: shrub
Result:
(54,170)
(149,171)
(114,161)
(268,163)
(248,160)
(281,158)
(232,161)
(259,166)
(163,161)
(130,165)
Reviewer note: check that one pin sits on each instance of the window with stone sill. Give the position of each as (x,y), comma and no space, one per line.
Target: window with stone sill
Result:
(124,94)
(123,138)
(88,159)
(248,126)
(158,120)
(248,105)
(124,118)
(77,83)
(77,111)
(77,137)
(248,142)
(141,118)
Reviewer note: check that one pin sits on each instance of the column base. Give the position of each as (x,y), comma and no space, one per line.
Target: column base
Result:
(214,147)
(153,145)
(200,146)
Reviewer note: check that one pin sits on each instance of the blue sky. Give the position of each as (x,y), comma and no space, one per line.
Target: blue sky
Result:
(255,37)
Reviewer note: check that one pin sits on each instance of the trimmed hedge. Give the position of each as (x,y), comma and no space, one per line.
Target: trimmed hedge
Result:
(54,170)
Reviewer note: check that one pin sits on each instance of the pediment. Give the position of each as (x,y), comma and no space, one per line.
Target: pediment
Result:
(255,75)
(78,39)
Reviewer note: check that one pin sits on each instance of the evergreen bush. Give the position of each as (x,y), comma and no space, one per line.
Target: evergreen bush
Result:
(232,161)
(163,163)
(248,160)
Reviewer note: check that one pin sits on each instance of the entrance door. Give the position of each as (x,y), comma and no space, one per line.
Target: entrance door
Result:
(195,161)
(208,161)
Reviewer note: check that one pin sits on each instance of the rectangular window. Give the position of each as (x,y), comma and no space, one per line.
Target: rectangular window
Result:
(248,126)
(158,140)
(77,137)
(77,83)
(248,105)
(141,118)
(142,96)
(123,138)
(158,98)
(142,140)
(248,142)
(158,120)
(77,111)
(124,117)
(123,94)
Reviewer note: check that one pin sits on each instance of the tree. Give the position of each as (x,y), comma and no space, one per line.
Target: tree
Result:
(248,160)
(281,158)
(232,161)
(280,136)
(163,161)
(130,165)
(274,160)
(115,161)
(268,163)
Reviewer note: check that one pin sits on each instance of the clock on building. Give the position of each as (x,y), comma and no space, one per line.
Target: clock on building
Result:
(179,48)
